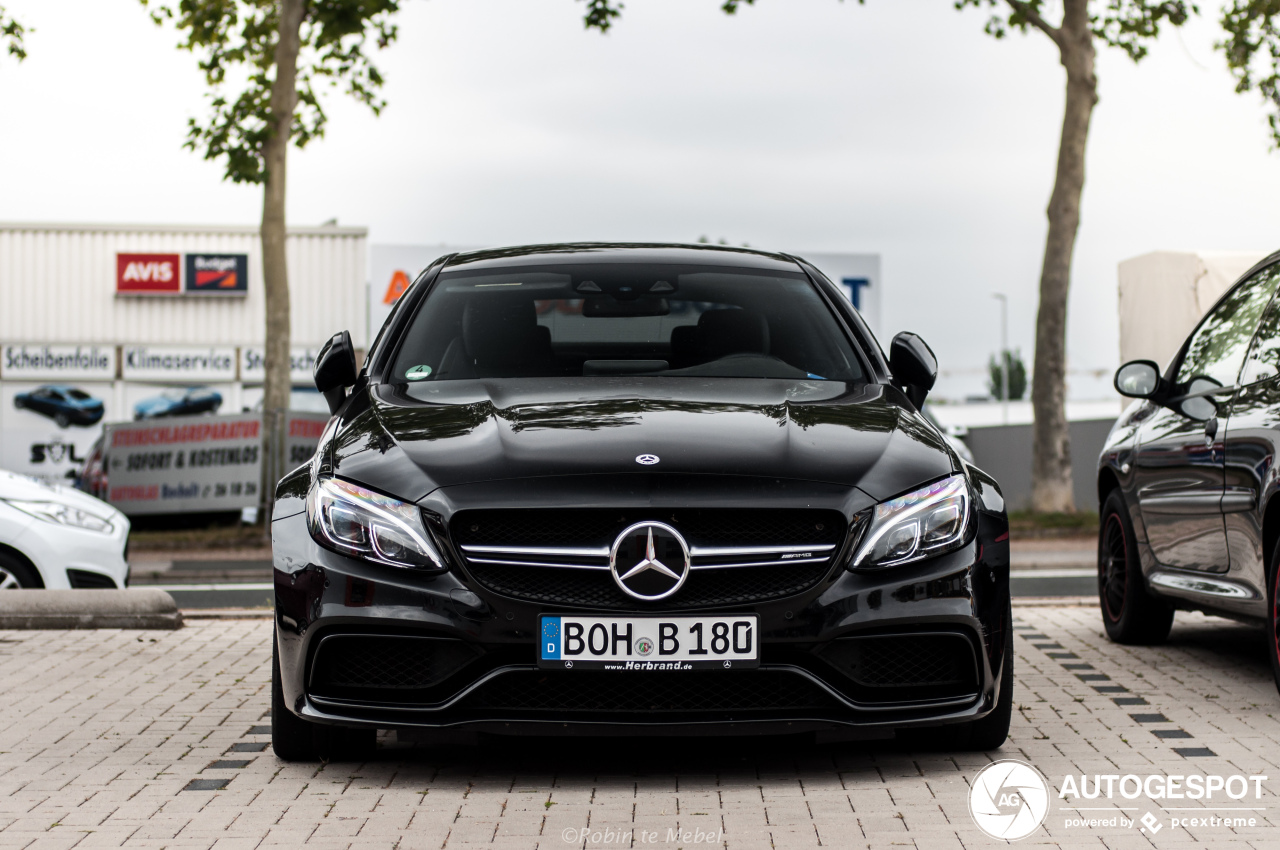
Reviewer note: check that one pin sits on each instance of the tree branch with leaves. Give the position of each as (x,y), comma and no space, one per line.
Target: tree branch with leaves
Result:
(11,33)
(265,63)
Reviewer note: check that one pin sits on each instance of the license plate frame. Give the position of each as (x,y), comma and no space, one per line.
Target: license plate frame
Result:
(569,641)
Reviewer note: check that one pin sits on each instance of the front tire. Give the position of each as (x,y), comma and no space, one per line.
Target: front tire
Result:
(292,738)
(992,731)
(17,574)
(62,420)
(295,739)
(1130,613)
(1273,614)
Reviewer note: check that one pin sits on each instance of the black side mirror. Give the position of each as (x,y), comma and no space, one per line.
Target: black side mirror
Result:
(913,365)
(335,369)
(1197,404)
(1138,379)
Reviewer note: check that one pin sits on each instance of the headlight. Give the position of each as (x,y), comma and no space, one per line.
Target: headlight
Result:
(921,524)
(358,522)
(59,513)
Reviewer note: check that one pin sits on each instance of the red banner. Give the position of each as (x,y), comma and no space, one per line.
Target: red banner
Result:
(148,273)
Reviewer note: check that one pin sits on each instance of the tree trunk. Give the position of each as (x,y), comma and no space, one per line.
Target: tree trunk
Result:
(1051,488)
(275,271)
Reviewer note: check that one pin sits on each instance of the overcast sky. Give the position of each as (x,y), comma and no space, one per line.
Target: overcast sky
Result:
(897,127)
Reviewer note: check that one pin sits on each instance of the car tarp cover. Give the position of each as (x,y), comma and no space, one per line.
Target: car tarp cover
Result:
(1163,294)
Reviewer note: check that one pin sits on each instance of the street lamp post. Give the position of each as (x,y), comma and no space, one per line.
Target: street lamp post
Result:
(1004,353)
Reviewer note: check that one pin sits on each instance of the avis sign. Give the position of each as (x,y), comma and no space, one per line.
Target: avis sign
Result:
(182,274)
(148,274)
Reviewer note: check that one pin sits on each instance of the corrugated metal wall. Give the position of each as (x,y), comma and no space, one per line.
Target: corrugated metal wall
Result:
(57,285)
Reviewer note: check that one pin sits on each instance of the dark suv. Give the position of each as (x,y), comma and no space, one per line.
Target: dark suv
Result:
(1187,477)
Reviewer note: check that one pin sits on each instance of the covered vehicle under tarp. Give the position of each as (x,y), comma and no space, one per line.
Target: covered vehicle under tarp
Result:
(1164,293)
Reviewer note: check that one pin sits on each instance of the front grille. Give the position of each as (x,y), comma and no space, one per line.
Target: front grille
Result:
(581,578)
(919,666)
(597,589)
(85,580)
(691,692)
(357,665)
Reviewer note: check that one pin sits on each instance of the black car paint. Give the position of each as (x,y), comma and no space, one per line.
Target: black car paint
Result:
(1226,464)
(565,443)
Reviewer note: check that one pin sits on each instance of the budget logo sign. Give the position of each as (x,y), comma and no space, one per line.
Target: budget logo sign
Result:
(148,274)
(220,274)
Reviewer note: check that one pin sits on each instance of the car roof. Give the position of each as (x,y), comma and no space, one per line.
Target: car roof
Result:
(622,252)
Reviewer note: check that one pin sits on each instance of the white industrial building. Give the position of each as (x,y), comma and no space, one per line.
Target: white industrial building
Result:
(120,313)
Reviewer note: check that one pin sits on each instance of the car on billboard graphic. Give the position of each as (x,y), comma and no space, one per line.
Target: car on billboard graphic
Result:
(218,273)
(179,401)
(63,404)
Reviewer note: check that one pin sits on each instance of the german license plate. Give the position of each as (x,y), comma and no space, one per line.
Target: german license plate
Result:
(649,643)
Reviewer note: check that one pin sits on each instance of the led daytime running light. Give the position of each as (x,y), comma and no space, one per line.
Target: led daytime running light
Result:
(917,525)
(359,522)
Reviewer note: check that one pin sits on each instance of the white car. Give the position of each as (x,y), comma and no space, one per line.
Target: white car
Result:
(57,537)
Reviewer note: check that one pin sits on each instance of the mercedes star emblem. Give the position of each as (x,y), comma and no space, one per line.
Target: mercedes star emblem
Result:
(649,561)
(647,460)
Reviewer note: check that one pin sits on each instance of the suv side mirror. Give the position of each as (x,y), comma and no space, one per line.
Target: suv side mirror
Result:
(913,365)
(335,369)
(1138,379)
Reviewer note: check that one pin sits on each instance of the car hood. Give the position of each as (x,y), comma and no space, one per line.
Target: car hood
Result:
(26,488)
(410,440)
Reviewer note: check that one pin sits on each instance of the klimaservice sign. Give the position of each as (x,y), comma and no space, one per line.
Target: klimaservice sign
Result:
(1010,800)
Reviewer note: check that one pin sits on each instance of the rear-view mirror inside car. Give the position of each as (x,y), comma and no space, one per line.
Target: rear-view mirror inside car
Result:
(606,306)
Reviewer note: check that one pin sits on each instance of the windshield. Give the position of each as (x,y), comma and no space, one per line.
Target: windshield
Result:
(613,319)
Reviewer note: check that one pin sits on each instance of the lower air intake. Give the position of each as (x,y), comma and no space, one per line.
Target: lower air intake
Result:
(354,666)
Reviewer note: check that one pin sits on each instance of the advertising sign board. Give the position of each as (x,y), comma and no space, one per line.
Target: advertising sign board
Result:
(184,464)
(178,364)
(49,428)
(253,364)
(148,274)
(217,274)
(195,464)
(58,362)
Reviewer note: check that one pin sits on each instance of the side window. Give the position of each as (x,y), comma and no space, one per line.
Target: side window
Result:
(1263,361)
(1217,348)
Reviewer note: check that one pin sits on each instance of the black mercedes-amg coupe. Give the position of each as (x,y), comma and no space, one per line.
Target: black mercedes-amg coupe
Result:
(634,489)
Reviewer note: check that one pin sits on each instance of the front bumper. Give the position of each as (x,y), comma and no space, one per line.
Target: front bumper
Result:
(324,599)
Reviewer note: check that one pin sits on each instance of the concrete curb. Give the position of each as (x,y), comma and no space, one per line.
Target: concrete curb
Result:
(134,608)
(227,613)
(1055,602)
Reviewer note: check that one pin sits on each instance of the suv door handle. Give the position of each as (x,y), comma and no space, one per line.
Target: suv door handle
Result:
(1210,431)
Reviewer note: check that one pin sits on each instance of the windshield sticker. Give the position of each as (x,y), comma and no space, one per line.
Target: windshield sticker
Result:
(418,373)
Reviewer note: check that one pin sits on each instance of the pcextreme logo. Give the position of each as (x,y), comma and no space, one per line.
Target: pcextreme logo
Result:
(1009,799)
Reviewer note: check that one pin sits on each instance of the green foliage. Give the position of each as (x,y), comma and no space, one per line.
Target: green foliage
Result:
(601,14)
(1252,48)
(1126,24)
(11,33)
(1017,375)
(235,41)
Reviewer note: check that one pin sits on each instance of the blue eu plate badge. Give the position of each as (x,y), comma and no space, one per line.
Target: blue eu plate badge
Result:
(550,638)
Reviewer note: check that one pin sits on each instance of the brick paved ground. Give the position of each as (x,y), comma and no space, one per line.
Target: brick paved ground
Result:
(101,732)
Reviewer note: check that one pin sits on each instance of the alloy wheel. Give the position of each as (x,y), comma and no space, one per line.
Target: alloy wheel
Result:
(8,581)
(1113,573)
